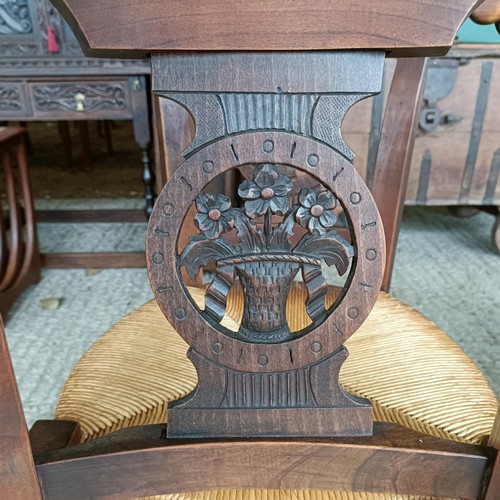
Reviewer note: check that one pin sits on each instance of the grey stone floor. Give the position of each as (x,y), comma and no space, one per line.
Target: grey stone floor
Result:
(445,267)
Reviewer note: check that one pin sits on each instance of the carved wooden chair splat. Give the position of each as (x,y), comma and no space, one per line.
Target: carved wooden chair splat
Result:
(268,85)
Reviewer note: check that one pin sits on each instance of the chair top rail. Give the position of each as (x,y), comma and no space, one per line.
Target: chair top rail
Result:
(400,27)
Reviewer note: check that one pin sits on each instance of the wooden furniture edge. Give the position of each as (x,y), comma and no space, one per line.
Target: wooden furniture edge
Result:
(71,260)
(396,148)
(157,465)
(18,476)
(333,28)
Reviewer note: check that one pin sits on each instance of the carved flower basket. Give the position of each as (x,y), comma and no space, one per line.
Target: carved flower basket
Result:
(264,258)
(266,284)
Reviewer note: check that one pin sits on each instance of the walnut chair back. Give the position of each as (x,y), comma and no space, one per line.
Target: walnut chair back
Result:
(267,84)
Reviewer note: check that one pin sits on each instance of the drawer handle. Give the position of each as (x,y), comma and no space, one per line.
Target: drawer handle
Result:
(80,101)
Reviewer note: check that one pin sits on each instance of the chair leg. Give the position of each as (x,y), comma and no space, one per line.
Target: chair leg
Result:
(85,138)
(27,139)
(15,244)
(103,129)
(108,136)
(50,435)
(493,491)
(395,151)
(99,128)
(65,135)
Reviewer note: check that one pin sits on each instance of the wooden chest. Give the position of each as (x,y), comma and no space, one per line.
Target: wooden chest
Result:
(456,159)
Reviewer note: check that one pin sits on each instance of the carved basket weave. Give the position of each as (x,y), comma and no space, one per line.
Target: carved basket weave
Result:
(266,284)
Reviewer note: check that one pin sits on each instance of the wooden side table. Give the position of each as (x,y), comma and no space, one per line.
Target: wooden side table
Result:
(20,261)
(44,76)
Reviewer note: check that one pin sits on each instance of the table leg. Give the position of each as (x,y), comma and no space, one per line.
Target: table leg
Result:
(86,151)
(65,135)
(142,133)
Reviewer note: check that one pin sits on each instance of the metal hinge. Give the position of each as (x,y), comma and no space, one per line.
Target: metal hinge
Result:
(441,79)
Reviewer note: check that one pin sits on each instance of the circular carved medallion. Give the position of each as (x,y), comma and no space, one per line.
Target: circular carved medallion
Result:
(202,331)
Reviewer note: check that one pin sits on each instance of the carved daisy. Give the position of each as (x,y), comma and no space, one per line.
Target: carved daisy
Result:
(214,215)
(268,190)
(316,211)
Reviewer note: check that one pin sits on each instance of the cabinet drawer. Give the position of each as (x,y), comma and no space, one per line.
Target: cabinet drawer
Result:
(13,102)
(76,100)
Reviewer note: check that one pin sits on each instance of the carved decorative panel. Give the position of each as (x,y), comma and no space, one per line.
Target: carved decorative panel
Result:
(68,66)
(259,378)
(15,17)
(47,15)
(10,98)
(85,97)
(24,28)
(19,49)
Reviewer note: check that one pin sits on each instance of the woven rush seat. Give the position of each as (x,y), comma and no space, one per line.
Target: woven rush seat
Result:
(412,372)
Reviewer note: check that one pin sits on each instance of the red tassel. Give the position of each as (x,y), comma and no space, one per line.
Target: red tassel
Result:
(52,45)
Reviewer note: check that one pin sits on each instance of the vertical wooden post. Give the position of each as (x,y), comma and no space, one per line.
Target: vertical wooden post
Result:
(18,477)
(395,151)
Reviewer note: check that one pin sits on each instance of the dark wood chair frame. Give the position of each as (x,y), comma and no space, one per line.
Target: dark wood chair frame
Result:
(210,452)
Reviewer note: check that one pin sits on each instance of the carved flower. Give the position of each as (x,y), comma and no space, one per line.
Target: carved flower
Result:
(268,190)
(214,215)
(316,211)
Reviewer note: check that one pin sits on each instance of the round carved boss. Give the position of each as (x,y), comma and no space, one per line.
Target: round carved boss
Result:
(209,338)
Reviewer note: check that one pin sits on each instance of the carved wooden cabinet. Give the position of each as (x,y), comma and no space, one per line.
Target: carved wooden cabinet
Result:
(45,76)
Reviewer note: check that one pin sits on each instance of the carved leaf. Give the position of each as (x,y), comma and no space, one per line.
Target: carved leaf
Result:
(317,289)
(217,292)
(201,250)
(249,235)
(280,238)
(331,247)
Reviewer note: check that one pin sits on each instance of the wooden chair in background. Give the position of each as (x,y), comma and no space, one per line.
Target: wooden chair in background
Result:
(104,130)
(267,412)
(20,262)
